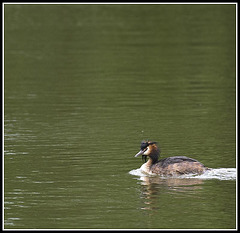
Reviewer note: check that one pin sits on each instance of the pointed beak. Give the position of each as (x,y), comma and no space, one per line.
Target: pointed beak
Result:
(139,153)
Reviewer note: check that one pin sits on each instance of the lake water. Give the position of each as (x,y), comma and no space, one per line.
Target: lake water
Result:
(85,84)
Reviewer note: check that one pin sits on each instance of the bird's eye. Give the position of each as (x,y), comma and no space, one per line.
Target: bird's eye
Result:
(144,145)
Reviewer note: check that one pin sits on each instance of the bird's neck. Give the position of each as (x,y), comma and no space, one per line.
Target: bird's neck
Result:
(153,159)
(146,167)
(154,156)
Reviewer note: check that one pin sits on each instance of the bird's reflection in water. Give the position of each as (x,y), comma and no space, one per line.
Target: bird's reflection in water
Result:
(153,188)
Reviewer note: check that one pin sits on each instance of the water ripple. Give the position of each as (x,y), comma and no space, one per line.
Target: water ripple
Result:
(216,173)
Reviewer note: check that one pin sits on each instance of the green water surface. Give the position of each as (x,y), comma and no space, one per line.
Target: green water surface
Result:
(85,83)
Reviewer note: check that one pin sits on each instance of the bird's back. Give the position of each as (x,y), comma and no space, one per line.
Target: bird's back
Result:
(178,165)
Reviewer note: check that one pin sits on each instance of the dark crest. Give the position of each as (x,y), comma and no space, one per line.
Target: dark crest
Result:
(145,144)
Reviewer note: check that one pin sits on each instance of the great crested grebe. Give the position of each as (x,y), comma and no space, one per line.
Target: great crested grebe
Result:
(176,165)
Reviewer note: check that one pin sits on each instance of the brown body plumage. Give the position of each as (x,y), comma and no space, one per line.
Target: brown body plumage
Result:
(171,166)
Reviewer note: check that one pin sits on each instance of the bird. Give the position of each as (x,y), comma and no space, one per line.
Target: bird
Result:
(171,166)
